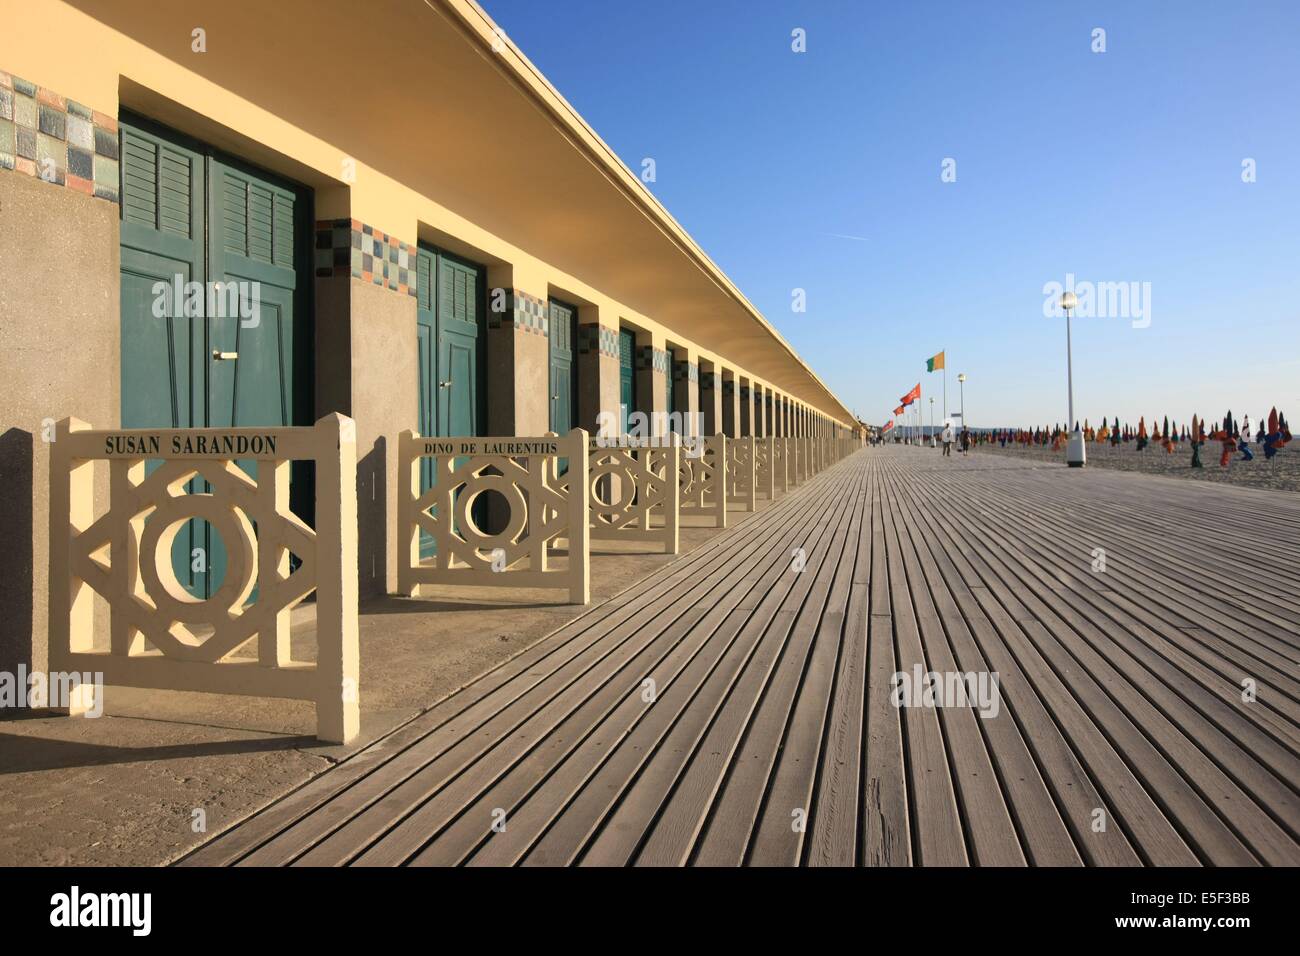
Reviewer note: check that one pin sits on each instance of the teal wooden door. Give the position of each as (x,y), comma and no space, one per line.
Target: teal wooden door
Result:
(460,327)
(563,333)
(626,375)
(163,371)
(449,338)
(229,352)
(449,342)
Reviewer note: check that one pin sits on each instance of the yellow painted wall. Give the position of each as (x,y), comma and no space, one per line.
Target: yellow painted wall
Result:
(67,47)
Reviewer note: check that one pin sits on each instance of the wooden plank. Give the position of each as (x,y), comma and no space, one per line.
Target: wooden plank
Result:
(624,707)
(570,803)
(1119,694)
(788,722)
(702,752)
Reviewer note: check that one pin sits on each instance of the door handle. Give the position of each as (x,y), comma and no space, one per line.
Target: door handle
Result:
(446,384)
(220,356)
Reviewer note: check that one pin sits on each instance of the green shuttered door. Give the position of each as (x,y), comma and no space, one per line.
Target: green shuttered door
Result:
(449,338)
(236,355)
(450,328)
(563,331)
(626,375)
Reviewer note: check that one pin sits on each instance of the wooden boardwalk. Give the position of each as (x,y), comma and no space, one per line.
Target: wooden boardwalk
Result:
(770,737)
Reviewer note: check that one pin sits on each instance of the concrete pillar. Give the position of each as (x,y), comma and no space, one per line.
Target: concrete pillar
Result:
(597,364)
(710,398)
(651,380)
(686,390)
(384,383)
(367,367)
(746,392)
(518,357)
(730,404)
(59,291)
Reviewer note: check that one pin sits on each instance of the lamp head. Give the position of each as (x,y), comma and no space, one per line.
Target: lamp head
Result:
(1069,301)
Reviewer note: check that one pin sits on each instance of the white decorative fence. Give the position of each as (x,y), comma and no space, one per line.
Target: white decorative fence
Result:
(544,513)
(161,636)
(704,479)
(765,467)
(635,491)
(741,486)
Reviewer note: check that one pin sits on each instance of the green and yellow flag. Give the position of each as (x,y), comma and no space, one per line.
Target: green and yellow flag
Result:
(934,364)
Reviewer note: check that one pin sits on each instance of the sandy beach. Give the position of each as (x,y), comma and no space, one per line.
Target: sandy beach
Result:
(1280,474)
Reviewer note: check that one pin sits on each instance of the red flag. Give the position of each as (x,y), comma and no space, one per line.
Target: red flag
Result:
(911,396)
(899,410)
(888,425)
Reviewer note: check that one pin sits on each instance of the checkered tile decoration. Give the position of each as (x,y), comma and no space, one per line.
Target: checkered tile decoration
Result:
(593,337)
(687,371)
(708,381)
(58,140)
(347,247)
(649,357)
(728,387)
(530,313)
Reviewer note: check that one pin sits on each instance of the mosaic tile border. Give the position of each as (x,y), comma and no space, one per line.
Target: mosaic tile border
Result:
(593,337)
(687,371)
(348,247)
(57,140)
(529,314)
(649,357)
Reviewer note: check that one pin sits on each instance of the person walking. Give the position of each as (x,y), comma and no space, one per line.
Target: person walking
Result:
(947,439)
(965,440)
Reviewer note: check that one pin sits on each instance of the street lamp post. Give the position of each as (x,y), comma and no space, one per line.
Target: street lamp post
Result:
(931,421)
(961,382)
(1075,453)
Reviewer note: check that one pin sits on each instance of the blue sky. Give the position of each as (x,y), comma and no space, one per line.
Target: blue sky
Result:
(1122,166)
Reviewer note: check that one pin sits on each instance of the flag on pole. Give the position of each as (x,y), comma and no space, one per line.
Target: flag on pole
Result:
(911,396)
(899,410)
(888,425)
(934,364)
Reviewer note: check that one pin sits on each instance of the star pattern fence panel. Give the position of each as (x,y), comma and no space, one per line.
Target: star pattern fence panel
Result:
(238,640)
(765,468)
(704,479)
(540,540)
(741,485)
(635,491)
